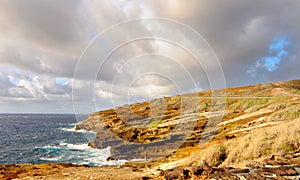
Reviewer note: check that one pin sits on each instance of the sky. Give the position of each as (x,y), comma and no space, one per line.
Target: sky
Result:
(80,56)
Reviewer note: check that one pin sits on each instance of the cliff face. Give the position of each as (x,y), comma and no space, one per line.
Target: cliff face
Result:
(172,127)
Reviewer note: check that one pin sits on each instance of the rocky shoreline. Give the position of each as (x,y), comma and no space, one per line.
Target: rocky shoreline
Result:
(278,167)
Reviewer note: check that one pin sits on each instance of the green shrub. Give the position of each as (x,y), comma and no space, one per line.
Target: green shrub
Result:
(155,123)
(247,103)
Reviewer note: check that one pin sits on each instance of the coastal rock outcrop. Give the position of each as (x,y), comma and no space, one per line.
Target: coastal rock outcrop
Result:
(168,126)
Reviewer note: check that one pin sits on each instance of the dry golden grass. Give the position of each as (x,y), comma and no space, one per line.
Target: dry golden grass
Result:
(282,138)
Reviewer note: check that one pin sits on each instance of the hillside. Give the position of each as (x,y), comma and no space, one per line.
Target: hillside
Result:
(225,127)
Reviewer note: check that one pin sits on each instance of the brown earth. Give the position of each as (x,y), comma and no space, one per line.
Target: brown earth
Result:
(66,171)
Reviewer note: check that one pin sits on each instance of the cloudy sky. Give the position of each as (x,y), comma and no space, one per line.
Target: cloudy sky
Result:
(85,55)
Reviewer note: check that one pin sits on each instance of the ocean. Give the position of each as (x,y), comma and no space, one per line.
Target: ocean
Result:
(48,138)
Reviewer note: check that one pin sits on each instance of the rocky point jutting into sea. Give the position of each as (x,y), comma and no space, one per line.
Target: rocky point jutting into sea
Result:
(249,132)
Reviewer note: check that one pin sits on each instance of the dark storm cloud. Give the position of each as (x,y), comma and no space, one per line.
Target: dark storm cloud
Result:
(44,39)
(241,31)
(42,36)
(51,24)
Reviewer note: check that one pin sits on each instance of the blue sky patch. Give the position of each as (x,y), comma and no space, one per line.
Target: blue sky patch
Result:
(277,51)
(278,45)
(61,80)
(271,63)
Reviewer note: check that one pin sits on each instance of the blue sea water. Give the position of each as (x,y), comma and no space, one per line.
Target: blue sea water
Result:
(48,138)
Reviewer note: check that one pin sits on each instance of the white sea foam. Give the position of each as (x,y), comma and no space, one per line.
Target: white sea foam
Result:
(74,130)
(79,154)
(77,146)
(51,147)
(68,129)
(51,159)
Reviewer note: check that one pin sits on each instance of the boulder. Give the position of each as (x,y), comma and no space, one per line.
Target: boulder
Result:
(282,171)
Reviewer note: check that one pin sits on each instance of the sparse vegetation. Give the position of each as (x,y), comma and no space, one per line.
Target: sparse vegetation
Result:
(143,108)
(248,103)
(155,123)
(174,100)
(214,155)
(204,105)
(260,142)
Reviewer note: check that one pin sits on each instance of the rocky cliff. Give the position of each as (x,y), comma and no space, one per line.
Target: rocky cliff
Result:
(171,128)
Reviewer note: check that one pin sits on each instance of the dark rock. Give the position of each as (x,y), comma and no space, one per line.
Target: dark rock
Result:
(239,171)
(36,174)
(110,159)
(186,174)
(197,170)
(135,169)
(91,145)
(77,127)
(272,157)
(282,171)
(227,137)
(146,178)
